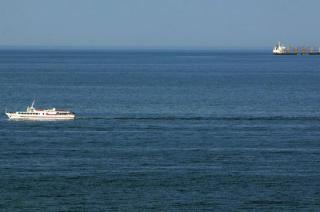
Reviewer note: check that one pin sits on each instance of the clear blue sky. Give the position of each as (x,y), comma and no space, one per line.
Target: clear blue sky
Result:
(158,23)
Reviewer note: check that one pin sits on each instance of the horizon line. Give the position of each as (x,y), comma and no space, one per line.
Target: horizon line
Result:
(106,48)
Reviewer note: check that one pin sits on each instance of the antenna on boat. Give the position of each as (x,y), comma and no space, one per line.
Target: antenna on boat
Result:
(33,103)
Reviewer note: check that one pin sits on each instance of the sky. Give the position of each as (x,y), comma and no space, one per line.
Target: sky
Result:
(158,23)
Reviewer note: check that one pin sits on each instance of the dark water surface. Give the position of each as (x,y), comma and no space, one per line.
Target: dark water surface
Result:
(161,130)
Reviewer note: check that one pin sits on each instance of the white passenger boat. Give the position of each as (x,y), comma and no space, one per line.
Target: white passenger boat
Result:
(41,114)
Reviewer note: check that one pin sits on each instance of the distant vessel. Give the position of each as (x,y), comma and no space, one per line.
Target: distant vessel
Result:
(280,49)
(41,114)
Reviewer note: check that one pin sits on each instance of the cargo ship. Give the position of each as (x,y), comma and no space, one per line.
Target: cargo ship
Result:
(281,49)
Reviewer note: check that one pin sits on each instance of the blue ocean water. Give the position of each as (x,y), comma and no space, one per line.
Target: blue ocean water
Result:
(161,130)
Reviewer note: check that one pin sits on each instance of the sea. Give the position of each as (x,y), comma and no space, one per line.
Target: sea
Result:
(161,130)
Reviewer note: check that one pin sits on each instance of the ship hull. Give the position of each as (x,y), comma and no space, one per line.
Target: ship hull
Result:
(285,54)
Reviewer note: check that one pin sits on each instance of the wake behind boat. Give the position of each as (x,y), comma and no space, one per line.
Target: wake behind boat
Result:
(41,114)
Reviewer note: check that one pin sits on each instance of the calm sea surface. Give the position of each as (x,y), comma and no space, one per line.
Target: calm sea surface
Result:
(161,130)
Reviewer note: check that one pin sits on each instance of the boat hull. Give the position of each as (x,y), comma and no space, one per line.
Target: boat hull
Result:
(15,116)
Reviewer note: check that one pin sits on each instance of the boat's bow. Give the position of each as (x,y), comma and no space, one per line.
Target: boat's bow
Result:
(9,115)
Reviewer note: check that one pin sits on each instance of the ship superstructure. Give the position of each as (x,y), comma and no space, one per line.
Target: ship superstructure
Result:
(279,49)
(41,114)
